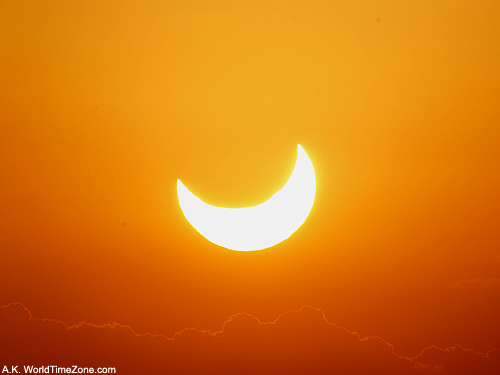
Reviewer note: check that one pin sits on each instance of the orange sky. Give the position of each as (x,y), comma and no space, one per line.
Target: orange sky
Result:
(105,104)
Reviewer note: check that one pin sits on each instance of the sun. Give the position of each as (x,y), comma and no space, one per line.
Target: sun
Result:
(257,227)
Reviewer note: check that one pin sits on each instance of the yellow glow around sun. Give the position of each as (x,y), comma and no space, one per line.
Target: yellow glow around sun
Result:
(257,227)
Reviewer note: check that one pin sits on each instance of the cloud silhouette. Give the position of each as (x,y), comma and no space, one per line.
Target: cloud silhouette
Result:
(297,342)
(457,361)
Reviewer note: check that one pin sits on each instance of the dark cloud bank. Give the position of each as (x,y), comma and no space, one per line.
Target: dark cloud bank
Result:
(298,342)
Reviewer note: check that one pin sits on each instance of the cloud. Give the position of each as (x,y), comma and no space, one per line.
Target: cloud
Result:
(470,284)
(297,342)
(457,361)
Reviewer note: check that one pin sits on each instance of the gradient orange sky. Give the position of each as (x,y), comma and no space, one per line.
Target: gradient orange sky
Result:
(105,104)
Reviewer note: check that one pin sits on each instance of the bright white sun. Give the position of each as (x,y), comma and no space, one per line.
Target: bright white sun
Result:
(257,227)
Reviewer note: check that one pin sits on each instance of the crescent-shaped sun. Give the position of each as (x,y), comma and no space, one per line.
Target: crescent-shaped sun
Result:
(257,227)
